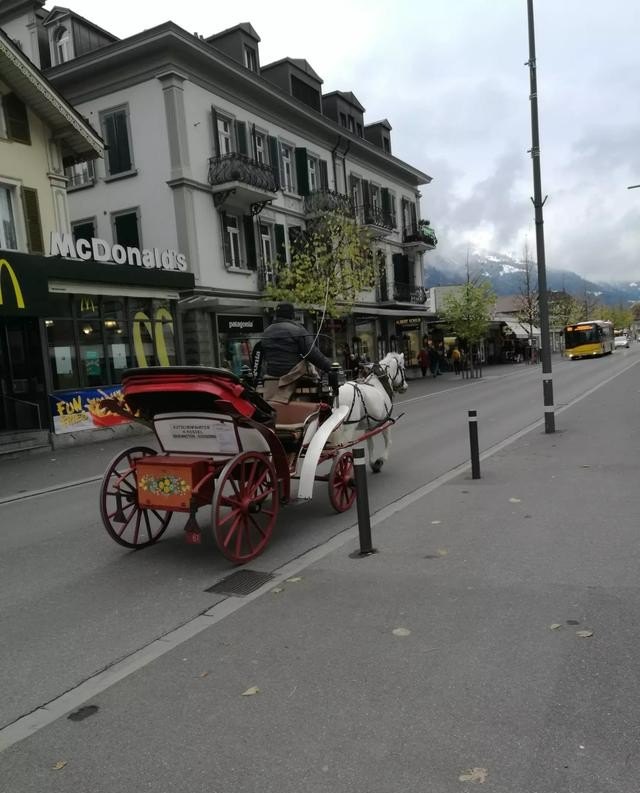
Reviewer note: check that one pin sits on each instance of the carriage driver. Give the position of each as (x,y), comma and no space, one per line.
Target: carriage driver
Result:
(289,353)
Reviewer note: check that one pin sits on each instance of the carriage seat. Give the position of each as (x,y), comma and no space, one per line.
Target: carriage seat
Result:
(293,415)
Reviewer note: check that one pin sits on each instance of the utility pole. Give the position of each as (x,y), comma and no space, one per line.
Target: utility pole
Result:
(538,203)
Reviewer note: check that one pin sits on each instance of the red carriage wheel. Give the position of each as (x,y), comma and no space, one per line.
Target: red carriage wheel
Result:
(245,506)
(125,520)
(342,483)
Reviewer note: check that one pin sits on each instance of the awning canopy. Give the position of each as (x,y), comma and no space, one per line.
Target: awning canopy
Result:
(520,331)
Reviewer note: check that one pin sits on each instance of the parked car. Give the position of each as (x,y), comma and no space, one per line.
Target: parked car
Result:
(621,341)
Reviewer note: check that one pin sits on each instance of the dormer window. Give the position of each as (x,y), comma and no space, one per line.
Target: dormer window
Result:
(386,145)
(250,58)
(61,45)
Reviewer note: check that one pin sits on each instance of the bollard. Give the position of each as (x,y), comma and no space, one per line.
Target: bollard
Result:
(473,441)
(362,496)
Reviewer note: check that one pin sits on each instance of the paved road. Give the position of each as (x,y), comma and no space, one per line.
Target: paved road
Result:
(77,603)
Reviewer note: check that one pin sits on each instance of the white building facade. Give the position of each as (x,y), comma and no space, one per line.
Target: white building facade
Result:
(222,160)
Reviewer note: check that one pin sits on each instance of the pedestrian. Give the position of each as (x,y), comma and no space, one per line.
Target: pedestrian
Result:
(289,354)
(455,357)
(434,361)
(423,360)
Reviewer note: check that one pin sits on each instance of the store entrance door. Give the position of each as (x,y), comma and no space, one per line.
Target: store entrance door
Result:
(22,389)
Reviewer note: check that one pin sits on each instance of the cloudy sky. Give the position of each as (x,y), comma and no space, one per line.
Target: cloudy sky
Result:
(450,77)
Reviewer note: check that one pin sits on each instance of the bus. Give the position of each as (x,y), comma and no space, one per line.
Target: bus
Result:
(587,339)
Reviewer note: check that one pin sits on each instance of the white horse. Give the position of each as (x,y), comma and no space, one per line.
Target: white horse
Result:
(370,400)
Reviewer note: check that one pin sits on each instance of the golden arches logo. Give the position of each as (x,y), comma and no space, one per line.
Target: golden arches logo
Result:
(155,331)
(14,280)
(87,305)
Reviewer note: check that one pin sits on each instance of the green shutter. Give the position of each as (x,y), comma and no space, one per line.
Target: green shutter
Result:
(281,248)
(16,118)
(274,158)
(414,218)
(386,202)
(32,220)
(324,175)
(216,139)
(250,242)
(302,171)
(225,240)
(241,135)
(366,195)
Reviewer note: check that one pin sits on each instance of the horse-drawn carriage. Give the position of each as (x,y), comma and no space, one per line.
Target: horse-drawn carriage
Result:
(222,445)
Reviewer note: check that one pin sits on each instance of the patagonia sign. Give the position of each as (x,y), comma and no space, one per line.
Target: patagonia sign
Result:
(101,251)
(7,270)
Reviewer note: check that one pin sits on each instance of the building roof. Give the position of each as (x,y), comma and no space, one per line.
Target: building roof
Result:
(207,63)
(78,139)
(246,27)
(299,63)
(383,123)
(10,9)
(349,97)
(60,11)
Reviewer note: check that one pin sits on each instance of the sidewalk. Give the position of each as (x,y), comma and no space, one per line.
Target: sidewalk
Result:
(493,639)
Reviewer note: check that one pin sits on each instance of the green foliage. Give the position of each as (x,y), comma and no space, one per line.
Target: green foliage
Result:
(620,316)
(564,309)
(332,260)
(467,310)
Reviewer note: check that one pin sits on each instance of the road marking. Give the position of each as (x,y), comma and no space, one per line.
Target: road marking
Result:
(31,723)
(46,490)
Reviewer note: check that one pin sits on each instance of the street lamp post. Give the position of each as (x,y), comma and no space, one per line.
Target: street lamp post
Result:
(538,203)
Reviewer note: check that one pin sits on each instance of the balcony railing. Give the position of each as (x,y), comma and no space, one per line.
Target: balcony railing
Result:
(408,293)
(420,235)
(375,217)
(328,201)
(238,168)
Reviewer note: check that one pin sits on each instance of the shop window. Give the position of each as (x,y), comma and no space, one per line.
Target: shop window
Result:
(61,342)
(126,229)
(115,130)
(91,358)
(152,333)
(116,336)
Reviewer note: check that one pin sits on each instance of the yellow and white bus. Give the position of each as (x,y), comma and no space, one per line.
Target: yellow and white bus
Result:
(588,339)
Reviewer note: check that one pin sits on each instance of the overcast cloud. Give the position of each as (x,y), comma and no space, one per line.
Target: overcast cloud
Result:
(450,77)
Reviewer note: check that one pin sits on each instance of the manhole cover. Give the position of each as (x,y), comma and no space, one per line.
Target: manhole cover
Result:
(242,583)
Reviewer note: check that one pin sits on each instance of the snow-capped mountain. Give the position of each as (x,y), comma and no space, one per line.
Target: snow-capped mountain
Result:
(507,277)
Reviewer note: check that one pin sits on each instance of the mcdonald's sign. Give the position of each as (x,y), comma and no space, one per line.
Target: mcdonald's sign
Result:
(15,284)
(24,289)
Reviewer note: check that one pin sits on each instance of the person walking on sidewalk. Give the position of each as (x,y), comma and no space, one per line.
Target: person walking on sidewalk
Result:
(455,358)
(423,359)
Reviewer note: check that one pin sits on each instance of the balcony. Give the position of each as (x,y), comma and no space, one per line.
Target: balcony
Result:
(419,238)
(408,293)
(320,201)
(238,180)
(379,223)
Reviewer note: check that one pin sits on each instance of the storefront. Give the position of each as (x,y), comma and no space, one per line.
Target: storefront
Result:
(408,339)
(237,336)
(69,328)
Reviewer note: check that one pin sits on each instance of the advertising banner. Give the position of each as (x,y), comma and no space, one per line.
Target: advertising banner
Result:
(73,411)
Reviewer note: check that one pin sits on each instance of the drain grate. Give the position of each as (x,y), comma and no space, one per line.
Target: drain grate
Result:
(241,583)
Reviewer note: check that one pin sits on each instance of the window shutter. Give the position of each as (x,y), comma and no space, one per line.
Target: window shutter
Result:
(250,242)
(295,234)
(32,220)
(254,148)
(274,159)
(302,171)
(16,118)
(216,139)
(281,248)
(226,245)
(241,134)
(386,203)
(414,219)
(366,194)
(324,175)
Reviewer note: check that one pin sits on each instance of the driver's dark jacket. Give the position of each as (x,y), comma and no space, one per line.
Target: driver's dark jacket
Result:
(285,343)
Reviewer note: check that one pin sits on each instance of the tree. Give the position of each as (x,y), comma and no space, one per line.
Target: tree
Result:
(527,302)
(564,309)
(467,311)
(331,263)
(621,317)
